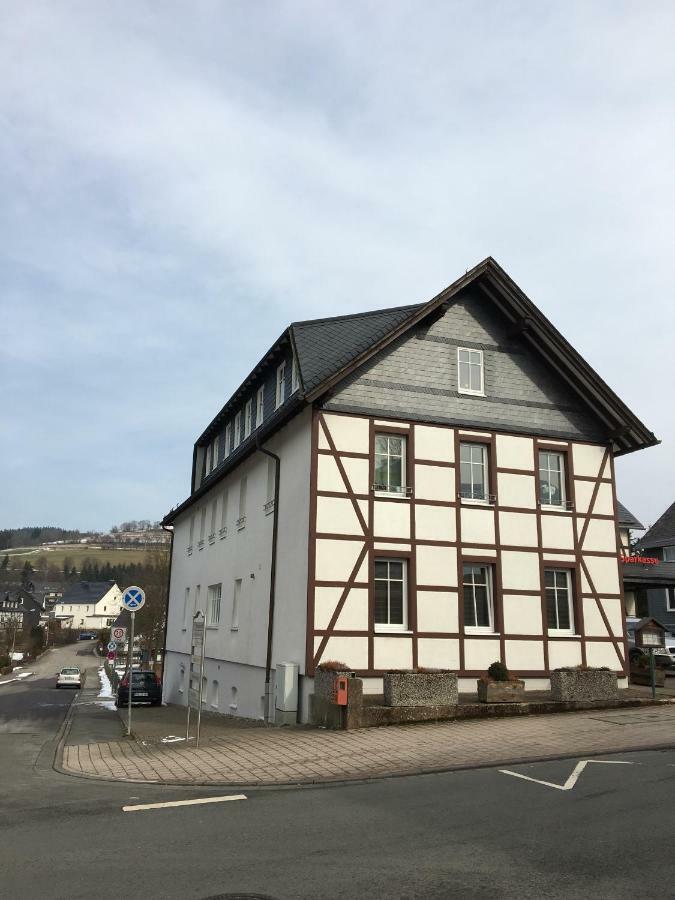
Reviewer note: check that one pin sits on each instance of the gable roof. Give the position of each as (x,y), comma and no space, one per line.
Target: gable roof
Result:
(86,592)
(329,349)
(662,533)
(626,517)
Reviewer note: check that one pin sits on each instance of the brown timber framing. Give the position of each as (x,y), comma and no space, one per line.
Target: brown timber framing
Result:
(549,557)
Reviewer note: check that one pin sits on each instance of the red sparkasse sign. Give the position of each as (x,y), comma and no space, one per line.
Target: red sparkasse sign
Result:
(640,560)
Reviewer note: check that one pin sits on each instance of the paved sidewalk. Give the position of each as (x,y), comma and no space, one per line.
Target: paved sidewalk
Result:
(246,756)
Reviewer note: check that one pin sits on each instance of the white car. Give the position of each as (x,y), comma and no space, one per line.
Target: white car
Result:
(69,676)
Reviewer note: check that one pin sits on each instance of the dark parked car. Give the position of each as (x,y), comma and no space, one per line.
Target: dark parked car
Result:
(145,688)
(662,658)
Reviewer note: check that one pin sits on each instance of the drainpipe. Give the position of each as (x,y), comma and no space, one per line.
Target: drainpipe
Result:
(273,572)
(168,595)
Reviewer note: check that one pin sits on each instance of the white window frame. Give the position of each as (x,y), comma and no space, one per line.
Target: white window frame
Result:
(280,387)
(207,463)
(670,600)
(260,406)
(237,430)
(213,602)
(202,524)
(486,472)
(223,515)
(548,469)
(243,490)
(214,452)
(669,554)
(386,490)
(490,585)
(389,627)
(248,418)
(295,380)
(472,352)
(214,512)
(570,600)
(228,440)
(186,606)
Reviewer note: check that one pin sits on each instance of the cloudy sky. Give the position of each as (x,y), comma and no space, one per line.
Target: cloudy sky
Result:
(179,181)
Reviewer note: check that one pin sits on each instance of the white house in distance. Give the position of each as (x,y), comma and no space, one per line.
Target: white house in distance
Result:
(445,498)
(89,605)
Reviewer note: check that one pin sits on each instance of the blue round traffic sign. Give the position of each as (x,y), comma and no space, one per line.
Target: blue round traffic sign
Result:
(133,598)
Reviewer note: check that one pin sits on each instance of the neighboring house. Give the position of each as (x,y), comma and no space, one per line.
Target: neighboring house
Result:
(657,592)
(89,605)
(19,607)
(445,499)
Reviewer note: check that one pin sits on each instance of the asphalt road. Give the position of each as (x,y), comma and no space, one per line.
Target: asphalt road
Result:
(480,834)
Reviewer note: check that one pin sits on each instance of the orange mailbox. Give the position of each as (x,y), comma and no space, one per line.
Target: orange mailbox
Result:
(341,690)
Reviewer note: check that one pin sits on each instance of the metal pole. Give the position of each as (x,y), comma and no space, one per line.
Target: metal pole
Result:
(131,670)
(652,672)
(201,687)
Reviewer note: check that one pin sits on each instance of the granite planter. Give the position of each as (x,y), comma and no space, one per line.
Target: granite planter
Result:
(501,691)
(420,689)
(324,682)
(583,684)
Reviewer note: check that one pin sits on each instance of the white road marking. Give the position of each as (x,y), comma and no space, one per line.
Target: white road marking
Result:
(143,806)
(574,777)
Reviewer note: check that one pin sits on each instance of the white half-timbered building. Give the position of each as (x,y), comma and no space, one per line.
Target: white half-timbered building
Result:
(440,493)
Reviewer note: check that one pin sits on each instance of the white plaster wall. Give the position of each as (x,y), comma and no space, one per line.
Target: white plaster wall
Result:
(391,518)
(328,477)
(514,452)
(600,535)
(353,651)
(522,614)
(478,525)
(602,653)
(479,654)
(564,653)
(335,515)
(349,433)
(400,547)
(435,483)
(357,474)
(434,443)
(520,570)
(354,614)
(436,566)
(525,655)
(604,570)
(604,501)
(392,652)
(335,559)
(437,611)
(435,523)
(587,459)
(557,531)
(518,529)
(516,490)
(438,653)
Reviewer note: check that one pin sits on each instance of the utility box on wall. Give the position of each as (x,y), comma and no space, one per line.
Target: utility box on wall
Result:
(286,702)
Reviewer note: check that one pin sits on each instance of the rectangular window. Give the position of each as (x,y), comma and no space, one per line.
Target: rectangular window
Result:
(669,554)
(478,597)
(470,371)
(391,604)
(186,607)
(260,406)
(390,450)
(558,585)
(473,471)
(236,597)
(237,430)
(214,511)
(243,484)
(551,478)
(223,514)
(670,599)
(192,530)
(198,594)
(202,524)
(280,386)
(248,418)
(295,381)
(213,604)
(207,466)
(228,440)
(216,451)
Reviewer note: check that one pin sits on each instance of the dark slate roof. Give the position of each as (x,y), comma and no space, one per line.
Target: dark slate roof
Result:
(662,533)
(661,575)
(626,517)
(86,592)
(324,346)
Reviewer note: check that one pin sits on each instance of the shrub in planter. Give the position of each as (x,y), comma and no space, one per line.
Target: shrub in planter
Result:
(325,675)
(420,687)
(500,686)
(584,683)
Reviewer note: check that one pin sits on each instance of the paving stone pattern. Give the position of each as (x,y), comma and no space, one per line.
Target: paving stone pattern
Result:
(277,756)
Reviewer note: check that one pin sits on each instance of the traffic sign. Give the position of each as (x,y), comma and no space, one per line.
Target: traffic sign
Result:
(111,655)
(118,634)
(133,598)
(112,646)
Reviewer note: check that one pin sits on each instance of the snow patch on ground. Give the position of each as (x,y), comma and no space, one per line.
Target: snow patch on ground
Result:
(24,675)
(105,695)
(171,739)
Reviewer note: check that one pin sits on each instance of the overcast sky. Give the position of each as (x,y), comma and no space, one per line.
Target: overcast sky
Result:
(179,181)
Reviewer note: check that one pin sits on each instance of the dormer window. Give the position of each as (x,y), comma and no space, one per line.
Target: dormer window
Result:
(237,430)
(248,418)
(295,381)
(280,395)
(260,406)
(470,371)
(228,440)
